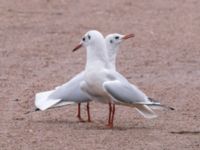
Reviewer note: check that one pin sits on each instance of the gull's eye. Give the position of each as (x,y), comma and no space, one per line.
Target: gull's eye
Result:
(117,37)
(89,37)
(83,38)
(111,41)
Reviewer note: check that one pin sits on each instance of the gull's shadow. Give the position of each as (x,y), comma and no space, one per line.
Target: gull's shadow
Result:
(56,121)
(186,132)
(97,125)
(118,128)
(134,128)
(100,125)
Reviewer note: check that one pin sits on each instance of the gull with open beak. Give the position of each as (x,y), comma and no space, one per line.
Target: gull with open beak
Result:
(104,84)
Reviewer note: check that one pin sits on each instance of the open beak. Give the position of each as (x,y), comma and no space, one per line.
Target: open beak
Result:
(128,36)
(77,47)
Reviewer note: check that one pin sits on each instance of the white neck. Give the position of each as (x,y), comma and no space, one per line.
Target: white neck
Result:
(112,54)
(97,56)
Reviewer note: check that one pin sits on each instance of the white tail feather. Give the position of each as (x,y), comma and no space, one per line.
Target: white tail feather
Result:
(63,103)
(146,111)
(42,102)
(156,107)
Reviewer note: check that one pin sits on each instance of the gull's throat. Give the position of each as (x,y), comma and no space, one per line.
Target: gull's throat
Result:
(97,56)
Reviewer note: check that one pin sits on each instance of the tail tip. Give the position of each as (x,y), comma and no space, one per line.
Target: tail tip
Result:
(37,109)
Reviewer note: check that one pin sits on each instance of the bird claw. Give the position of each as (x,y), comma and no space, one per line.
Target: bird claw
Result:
(89,120)
(81,120)
(110,125)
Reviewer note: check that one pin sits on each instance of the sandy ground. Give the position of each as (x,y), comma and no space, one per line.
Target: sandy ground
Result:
(36,39)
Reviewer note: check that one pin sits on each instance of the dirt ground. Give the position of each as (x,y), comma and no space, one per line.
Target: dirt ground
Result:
(36,42)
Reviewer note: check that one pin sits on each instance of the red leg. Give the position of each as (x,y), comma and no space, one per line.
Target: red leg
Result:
(88,111)
(113,114)
(110,110)
(79,110)
(110,115)
(79,113)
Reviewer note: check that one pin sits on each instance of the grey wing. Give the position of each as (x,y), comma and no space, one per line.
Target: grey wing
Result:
(71,91)
(125,93)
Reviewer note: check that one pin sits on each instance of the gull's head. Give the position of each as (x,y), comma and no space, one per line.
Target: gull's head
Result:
(113,40)
(90,38)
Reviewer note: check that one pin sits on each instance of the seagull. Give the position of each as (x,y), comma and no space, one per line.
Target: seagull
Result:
(104,84)
(70,92)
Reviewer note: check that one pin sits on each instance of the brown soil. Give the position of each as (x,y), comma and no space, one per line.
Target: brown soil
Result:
(36,39)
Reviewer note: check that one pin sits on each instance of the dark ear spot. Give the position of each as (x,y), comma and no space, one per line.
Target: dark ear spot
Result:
(89,37)
(111,41)
(117,37)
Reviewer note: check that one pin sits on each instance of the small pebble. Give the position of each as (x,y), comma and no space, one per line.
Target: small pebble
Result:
(16,99)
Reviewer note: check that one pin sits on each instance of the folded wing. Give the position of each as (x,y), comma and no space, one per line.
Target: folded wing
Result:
(129,95)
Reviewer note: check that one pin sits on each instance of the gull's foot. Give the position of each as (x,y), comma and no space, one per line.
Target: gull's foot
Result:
(89,120)
(37,109)
(110,125)
(80,119)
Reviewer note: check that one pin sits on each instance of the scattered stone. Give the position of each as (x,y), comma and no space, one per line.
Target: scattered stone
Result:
(16,100)
(19,118)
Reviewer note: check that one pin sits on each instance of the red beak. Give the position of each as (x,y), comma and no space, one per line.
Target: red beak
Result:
(77,47)
(128,36)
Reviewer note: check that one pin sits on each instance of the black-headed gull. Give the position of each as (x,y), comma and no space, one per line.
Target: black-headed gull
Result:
(104,84)
(70,93)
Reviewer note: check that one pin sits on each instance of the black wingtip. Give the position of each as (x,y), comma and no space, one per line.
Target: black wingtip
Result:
(153,100)
(37,109)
